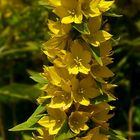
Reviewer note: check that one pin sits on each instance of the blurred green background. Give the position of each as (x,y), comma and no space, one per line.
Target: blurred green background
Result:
(23,28)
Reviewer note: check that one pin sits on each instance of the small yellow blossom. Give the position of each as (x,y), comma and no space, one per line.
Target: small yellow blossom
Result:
(96,36)
(69,11)
(84,90)
(89,8)
(43,135)
(78,59)
(77,121)
(100,115)
(94,134)
(101,71)
(56,75)
(105,5)
(54,121)
(106,52)
(51,75)
(61,96)
(53,46)
(58,29)
(54,3)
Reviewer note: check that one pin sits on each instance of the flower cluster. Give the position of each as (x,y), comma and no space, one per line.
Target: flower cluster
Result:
(77,92)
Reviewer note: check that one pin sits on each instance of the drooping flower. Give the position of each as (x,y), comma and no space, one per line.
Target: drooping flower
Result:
(100,115)
(54,121)
(96,36)
(84,90)
(101,71)
(69,11)
(106,52)
(77,121)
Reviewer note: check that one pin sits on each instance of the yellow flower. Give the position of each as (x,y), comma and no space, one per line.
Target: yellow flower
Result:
(43,135)
(105,5)
(93,8)
(101,71)
(106,52)
(58,29)
(54,45)
(94,134)
(78,59)
(56,75)
(84,90)
(89,8)
(61,96)
(100,115)
(77,122)
(51,75)
(69,11)
(54,121)
(96,36)
(54,3)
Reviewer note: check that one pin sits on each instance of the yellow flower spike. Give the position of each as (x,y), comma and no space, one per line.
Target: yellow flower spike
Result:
(96,36)
(58,29)
(54,121)
(84,90)
(78,59)
(77,121)
(69,11)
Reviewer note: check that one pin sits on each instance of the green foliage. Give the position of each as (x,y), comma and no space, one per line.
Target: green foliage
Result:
(16,92)
(30,124)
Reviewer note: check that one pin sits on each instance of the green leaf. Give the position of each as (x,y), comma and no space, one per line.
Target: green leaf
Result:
(37,77)
(96,54)
(16,92)
(31,123)
(100,99)
(137,115)
(82,28)
(112,14)
(113,135)
(64,133)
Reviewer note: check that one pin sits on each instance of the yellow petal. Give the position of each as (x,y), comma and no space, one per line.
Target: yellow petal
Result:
(68,19)
(105,5)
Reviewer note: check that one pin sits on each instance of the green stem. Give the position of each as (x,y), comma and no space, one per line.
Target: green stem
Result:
(2,131)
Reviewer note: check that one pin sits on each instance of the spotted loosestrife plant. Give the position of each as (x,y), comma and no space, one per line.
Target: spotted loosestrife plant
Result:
(76,92)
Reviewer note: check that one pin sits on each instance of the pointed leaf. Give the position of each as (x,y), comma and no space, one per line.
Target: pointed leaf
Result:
(82,28)
(31,123)
(96,54)
(64,133)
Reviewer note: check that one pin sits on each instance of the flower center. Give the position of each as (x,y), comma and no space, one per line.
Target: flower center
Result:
(78,60)
(81,91)
(71,12)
